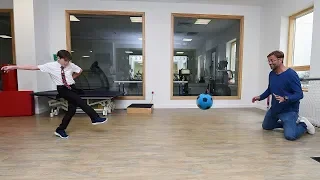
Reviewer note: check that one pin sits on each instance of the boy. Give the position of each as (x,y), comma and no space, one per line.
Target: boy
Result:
(63,72)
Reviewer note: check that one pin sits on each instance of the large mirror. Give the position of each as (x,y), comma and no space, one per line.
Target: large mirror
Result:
(7,46)
(109,47)
(206,56)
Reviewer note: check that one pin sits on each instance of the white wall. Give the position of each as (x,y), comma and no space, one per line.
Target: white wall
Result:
(274,34)
(42,53)
(158,29)
(315,51)
(25,42)
(41,24)
(32,44)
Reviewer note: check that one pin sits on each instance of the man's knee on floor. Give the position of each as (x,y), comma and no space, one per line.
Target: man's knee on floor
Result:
(266,127)
(290,136)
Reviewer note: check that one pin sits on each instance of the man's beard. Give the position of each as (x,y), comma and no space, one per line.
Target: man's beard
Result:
(273,67)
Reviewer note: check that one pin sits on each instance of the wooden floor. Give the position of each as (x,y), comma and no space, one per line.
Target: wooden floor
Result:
(169,144)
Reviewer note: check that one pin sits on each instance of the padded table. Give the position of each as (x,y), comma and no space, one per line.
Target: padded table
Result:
(101,97)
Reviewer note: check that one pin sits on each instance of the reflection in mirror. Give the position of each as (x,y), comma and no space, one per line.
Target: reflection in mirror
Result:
(6,39)
(109,48)
(206,55)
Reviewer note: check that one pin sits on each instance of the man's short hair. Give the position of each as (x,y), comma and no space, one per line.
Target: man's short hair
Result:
(277,53)
(64,54)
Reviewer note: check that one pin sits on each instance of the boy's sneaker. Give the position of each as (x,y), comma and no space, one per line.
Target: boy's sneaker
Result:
(61,133)
(310,127)
(99,120)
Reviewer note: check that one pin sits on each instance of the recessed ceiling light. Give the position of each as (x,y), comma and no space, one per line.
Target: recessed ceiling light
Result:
(91,51)
(136,19)
(85,56)
(129,52)
(5,37)
(73,18)
(180,52)
(202,21)
(187,39)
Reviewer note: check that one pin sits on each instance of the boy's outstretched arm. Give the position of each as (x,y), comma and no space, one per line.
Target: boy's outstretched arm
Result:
(22,67)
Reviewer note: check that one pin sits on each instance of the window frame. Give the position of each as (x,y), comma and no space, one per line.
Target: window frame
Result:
(99,12)
(210,16)
(291,33)
(10,11)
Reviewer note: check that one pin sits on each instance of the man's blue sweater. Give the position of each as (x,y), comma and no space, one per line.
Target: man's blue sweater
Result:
(284,84)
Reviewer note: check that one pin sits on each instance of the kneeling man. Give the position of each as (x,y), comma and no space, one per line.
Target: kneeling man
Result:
(285,87)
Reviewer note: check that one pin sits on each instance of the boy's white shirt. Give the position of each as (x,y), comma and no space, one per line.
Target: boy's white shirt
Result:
(54,70)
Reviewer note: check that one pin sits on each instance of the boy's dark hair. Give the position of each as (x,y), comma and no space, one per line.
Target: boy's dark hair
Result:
(278,54)
(64,54)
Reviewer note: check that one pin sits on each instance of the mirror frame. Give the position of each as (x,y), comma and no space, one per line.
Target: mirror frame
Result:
(208,16)
(125,13)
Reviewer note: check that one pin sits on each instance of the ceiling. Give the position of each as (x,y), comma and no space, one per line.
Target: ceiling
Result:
(227,2)
(185,28)
(108,27)
(120,30)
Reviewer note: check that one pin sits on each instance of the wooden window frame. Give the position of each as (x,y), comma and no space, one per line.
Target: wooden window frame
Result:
(291,33)
(209,16)
(93,12)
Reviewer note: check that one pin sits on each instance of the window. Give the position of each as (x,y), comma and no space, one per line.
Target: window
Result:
(7,47)
(135,62)
(180,62)
(209,48)
(300,40)
(231,54)
(109,47)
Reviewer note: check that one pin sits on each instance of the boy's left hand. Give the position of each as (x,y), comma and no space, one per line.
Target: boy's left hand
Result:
(7,68)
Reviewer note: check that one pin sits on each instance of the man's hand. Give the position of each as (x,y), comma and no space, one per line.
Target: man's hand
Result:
(254,99)
(8,68)
(279,98)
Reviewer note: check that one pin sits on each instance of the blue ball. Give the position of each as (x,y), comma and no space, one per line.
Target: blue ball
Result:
(204,101)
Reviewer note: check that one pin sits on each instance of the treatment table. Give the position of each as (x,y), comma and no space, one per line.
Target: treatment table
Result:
(92,97)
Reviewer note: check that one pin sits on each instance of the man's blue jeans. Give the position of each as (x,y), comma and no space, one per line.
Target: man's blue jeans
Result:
(292,129)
